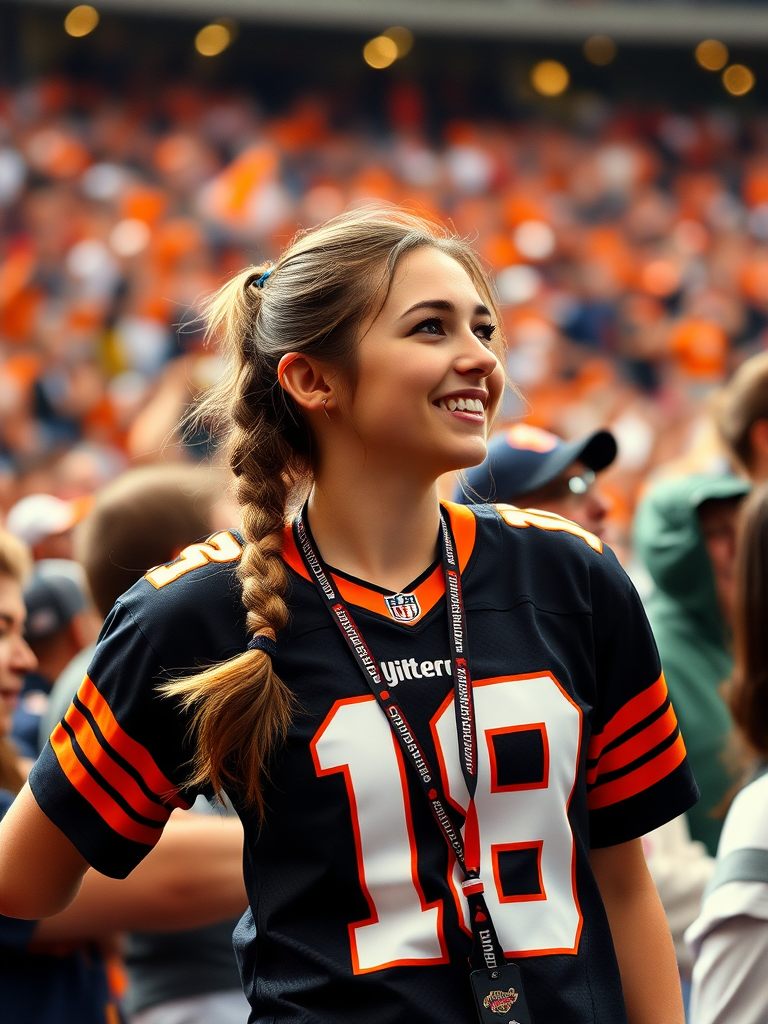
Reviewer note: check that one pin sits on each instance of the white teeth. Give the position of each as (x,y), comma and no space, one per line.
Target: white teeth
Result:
(462,405)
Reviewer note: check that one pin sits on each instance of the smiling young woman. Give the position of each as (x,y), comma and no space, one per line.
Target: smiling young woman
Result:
(456,834)
(16,658)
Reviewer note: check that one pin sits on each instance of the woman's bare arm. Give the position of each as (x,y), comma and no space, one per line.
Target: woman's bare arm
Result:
(40,869)
(193,877)
(641,935)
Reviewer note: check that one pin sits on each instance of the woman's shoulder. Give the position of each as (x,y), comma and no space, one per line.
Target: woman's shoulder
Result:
(199,571)
(544,537)
(553,562)
(195,595)
(556,528)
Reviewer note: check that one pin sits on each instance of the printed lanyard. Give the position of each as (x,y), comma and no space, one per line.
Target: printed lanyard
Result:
(486,949)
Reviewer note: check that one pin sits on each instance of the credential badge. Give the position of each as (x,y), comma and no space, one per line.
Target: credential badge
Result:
(499,1001)
(403,607)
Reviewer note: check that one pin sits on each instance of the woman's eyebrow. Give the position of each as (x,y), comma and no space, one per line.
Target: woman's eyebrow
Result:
(444,304)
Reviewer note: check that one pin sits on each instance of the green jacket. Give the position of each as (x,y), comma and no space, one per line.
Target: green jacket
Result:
(691,633)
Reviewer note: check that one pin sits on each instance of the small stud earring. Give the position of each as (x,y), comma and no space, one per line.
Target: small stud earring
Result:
(325,409)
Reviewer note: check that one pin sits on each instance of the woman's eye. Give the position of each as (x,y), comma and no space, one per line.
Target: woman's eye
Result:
(432,326)
(485,331)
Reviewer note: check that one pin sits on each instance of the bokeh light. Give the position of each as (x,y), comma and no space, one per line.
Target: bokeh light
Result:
(129,237)
(518,283)
(600,50)
(690,237)
(550,78)
(380,52)
(81,21)
(401,37)
(213,39)
(738,79)
(534,239)
(660,277)
(711,54)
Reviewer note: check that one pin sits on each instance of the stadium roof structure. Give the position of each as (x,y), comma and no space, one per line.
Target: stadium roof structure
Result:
(641,21)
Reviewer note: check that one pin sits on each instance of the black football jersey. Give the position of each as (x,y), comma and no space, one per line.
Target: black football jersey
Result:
(356,912)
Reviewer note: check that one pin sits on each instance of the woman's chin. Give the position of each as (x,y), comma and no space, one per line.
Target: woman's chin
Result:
(465,458)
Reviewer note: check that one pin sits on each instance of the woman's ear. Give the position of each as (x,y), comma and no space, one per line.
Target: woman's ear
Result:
(306,380)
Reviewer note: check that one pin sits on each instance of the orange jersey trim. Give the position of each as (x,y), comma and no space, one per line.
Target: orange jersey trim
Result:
(428,592)
(104,805)
(134,753)
(631,714)
(114,773)
(633,748)
(640,779)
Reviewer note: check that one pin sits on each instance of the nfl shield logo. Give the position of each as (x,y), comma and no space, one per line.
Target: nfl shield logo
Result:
(403,607)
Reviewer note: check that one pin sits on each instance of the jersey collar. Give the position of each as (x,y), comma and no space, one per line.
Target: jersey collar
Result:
(428,592)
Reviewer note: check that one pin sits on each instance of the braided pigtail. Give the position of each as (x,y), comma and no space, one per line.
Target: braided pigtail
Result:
(314,302)
(241,709)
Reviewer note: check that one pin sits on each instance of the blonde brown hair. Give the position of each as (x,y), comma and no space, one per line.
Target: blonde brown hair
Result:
(742,402)
(748,691)
(324,288)
(15,561)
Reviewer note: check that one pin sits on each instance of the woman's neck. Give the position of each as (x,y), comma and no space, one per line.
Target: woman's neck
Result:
(383,532)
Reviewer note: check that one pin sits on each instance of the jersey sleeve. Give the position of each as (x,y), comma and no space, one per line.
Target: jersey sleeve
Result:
(113,769)
(638,776)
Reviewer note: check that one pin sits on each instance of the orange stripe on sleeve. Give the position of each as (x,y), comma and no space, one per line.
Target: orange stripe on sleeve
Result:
(633,712)
(134,753)
(638,780)
(636,746)
(107,808)
(115,775)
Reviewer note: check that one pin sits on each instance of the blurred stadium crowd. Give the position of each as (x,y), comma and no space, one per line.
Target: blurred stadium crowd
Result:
(629,247)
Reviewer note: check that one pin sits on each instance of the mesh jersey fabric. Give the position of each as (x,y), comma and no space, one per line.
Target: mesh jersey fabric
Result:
(355,909)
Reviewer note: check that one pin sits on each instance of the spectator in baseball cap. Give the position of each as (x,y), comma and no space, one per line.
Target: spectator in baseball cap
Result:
(60,623)
(534,468)
(44,523)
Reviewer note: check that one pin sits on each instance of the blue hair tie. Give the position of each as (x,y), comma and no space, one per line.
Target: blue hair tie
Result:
(263,643)
(259,282)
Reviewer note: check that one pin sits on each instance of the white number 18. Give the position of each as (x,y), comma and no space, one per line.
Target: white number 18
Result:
(530,816)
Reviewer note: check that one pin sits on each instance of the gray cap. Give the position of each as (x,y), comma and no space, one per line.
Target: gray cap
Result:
(53,596)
